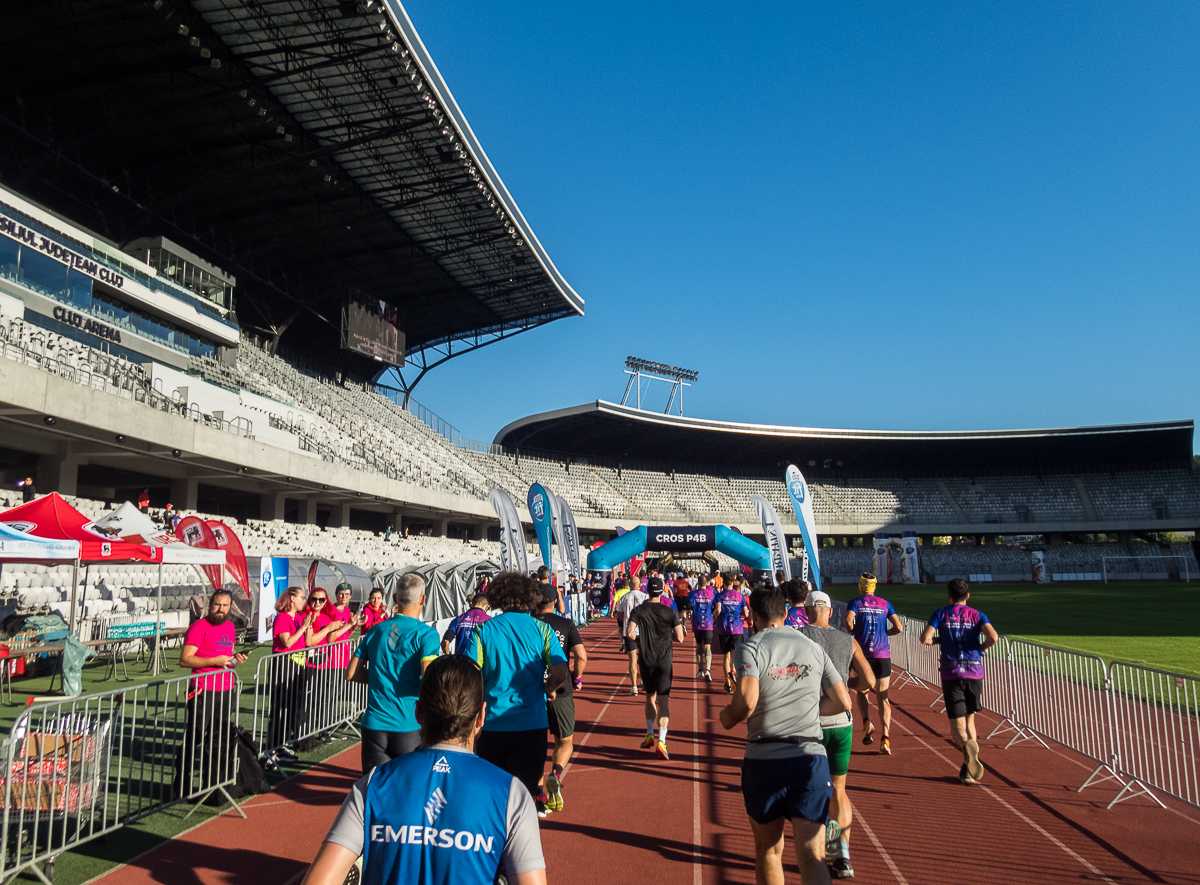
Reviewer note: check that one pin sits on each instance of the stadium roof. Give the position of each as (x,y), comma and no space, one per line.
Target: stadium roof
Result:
(310,147)
(603,430)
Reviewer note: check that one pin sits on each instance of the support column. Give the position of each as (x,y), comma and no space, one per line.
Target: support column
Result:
(59,473)
(441,527)
(481,530)
(271,506)
(339,516)
(185,494)
(308,511)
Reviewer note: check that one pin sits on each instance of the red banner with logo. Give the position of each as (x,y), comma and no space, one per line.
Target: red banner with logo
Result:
(235,554)
(194,532)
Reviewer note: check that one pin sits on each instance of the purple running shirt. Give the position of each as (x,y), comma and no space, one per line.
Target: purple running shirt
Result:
(703,600)
(871,615)
(730,622)
(796,618)
(959,628)
(463,626)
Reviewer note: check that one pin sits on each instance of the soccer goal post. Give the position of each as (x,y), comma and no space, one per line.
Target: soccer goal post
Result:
(1131,567)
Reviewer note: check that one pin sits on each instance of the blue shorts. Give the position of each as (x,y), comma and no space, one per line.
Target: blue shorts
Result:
(798,786)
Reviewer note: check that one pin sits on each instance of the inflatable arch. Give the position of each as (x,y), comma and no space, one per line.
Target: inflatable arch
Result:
(679,539)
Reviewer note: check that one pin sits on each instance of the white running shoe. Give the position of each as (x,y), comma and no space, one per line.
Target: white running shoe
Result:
(633,690)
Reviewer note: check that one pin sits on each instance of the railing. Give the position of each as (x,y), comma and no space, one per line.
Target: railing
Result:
(1138,725)
(79,768)
(303,694)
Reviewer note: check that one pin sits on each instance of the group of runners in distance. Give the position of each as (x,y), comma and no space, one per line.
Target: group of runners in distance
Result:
(458,799)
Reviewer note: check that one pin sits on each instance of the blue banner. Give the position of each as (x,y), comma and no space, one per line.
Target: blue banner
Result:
(272,581)
(801,496)
(539,511)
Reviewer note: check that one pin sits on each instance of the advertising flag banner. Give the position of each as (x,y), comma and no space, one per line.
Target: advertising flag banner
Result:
(556,530)
(235,555)
(274,580)
(570,538)
(1037,566)
(801,496)
(539,510)
(776,540)
(910,559)
(512,533)
(194,532)
(881,559)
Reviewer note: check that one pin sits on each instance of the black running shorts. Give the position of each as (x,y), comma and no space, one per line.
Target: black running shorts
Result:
(703,637)
(881,667)
(656,679)
(521,753)
(729,642)
(560,713)
(962,696)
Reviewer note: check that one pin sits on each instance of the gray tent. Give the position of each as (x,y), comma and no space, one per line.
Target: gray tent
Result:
(447,585)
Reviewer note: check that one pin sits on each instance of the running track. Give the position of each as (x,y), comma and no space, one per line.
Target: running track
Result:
(630,817)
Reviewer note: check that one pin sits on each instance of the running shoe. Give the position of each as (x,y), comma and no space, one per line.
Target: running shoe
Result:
(661,749)
(964,777)
(542,810)
(973,765)
(833,836)
(868,734)
(885,746)
(554,799)
(649,741)
(286,754)
(708,676)
(841,869)
(633,691)
(700,673)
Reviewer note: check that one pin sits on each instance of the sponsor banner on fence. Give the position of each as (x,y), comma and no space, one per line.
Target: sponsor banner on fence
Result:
(273,580)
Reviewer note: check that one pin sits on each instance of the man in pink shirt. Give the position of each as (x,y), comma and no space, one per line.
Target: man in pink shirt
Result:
(211,702)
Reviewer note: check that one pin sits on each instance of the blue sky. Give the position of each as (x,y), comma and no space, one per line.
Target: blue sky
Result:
(877,215)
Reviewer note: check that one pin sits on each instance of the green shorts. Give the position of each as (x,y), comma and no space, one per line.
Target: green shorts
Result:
(836,742)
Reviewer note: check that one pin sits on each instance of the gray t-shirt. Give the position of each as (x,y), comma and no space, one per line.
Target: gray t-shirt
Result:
(522,847)
(840,648)
(793,673)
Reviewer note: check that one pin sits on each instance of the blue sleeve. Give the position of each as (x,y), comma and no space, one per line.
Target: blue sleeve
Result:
(891,611)
(363,650)
(983,619)
(852,605)
(935,619)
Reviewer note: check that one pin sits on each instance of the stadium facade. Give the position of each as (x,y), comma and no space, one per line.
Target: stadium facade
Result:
(222,222)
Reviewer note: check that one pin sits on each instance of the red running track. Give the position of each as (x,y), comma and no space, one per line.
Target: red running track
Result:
(630,817)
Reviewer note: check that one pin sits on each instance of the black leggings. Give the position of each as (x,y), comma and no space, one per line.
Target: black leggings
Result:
(521,753)
(379,747)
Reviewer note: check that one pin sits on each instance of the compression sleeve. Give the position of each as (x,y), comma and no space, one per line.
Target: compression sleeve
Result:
(429,644)
(349,828)
(552,649)
(523,845)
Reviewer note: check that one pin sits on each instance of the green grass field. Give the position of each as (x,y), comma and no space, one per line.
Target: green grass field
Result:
(1155,624)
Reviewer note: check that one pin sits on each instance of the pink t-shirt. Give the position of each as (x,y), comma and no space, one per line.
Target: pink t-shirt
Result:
(286,623)
(320,622)
(373,617)
(340,656)
(211,642)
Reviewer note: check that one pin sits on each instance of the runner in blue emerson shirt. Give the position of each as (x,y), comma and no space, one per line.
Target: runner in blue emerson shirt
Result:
(439,815)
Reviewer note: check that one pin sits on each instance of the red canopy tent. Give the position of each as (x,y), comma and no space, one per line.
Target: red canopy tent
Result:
(51,517)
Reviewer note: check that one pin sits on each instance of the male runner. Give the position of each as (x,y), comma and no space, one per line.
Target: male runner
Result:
(872,620)
(785,683)
(702,602)
(795,590)
(731,629)
(561,710)
(656,627)
(838,730)
(460,628)
(631,600)
(683,598)
(959,627)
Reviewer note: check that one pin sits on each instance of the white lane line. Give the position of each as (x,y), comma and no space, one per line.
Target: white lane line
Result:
(696,870)
(887,858)
(1050,837)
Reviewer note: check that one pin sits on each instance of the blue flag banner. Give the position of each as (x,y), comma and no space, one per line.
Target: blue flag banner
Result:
(539,511)
(801,496)
(272,581)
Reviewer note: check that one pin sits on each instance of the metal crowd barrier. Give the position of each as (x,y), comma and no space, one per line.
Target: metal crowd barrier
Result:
(79,768)
(1140,726)
(303,694)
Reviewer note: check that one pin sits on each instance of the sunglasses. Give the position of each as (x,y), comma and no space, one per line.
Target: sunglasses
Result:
(319,598)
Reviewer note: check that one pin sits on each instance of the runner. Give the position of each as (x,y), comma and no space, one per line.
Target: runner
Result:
(785,683)
(656,628)
(484,817)
(959,627)
(795,591)
(872,620)
(838,730)
(683,598)
(460,628)
(561,711)
(515,650)
(701,602)
(729,615)
(631,600)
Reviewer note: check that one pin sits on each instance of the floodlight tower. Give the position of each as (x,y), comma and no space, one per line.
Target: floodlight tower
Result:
(637,369)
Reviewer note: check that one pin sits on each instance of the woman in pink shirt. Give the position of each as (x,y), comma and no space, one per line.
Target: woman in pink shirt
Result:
(325,682)
(286,672)
(373,612)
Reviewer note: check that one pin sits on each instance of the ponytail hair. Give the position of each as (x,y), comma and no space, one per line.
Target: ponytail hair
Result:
(450,698)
